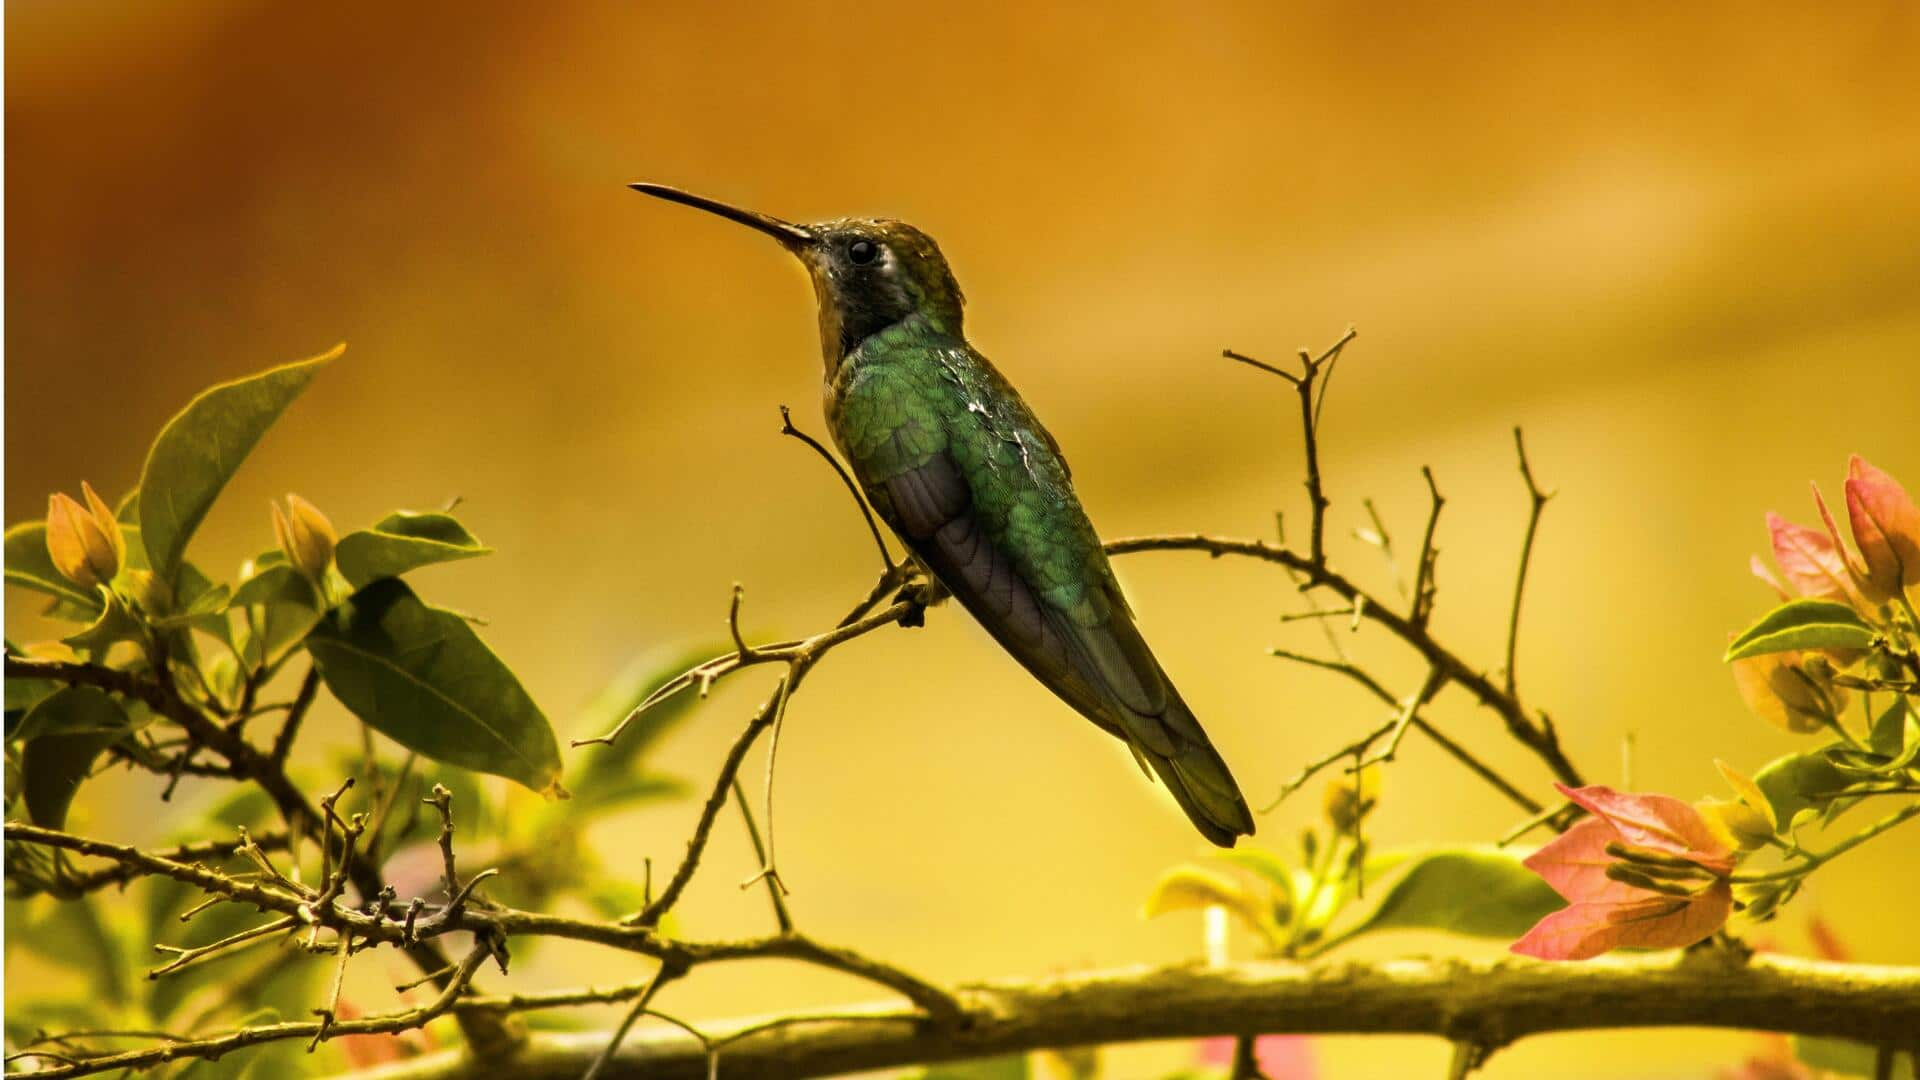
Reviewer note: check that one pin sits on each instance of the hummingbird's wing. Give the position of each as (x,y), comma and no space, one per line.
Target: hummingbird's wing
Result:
(981,496)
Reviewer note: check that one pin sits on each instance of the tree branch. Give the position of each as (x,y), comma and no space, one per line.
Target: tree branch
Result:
(1489,1004)
(1536,737)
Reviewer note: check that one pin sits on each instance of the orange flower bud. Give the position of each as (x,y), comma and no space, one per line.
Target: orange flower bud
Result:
(85,544)
(305,535)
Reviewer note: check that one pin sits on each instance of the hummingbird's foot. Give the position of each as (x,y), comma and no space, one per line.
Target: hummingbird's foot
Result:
(922,593)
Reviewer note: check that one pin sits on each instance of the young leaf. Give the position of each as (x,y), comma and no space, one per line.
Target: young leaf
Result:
(61,737)
(275,584)
(1477,892)
(1800,782)
(199,450)
(1803,624)
(1270,867)
(1189,887)
(403,541)
(422,677)
(116,623)
(1897,730)
(29,566)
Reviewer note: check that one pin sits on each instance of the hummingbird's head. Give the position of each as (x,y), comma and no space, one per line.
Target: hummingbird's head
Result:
(868,273)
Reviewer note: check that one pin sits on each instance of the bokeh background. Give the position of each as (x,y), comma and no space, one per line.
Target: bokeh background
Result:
(1679,247)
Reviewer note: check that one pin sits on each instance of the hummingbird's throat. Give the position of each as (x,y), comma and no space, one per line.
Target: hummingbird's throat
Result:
(853,311)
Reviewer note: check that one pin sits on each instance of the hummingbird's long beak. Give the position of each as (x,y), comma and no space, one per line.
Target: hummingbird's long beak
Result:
(792,236)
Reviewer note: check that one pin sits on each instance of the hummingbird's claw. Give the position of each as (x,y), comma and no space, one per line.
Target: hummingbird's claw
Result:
(922,593)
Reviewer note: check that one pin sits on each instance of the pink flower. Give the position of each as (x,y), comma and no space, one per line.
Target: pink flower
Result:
(1886,529)
(1645,871)
(1280,1057)
(1812,561)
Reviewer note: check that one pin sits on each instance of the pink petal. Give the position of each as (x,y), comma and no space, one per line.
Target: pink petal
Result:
(1285,1057)
(1575,932)
(1811,561)
(1584,931)
(1215,1051)
(1280,1057)
(1827,944)
(1651,924)
(1886,526)
(1765,575)
(1660,822)
(1575,864)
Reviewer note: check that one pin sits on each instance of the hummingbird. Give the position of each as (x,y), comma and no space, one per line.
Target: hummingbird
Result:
(959,467)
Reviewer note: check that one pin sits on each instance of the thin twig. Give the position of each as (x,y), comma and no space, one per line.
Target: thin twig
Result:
(1536,737)
(1537,502)
(661,976)
(853,489)
(187,956)
(775,892)
(1428,688)
(1424,589)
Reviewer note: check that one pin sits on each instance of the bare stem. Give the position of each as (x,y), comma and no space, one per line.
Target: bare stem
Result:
(853,489)
(1537,502)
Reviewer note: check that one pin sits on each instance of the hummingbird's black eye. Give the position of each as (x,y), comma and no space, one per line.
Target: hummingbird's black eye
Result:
(862,252)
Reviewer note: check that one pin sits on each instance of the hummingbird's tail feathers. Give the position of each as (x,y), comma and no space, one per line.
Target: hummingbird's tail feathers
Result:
(1092,656)
(1200,782)
(1133,698)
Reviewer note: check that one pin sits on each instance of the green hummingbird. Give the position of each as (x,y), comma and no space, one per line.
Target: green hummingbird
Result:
(966,476)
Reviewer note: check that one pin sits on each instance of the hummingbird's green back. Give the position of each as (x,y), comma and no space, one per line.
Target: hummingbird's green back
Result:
(957,464)
(954,460)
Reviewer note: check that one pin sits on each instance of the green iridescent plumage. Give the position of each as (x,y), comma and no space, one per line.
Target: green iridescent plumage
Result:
(960,468)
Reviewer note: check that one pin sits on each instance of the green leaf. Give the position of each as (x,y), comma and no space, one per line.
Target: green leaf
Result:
(1800,782)
(403,541)
(1846,1058)
(29,566)
(61,737)
(22,695)
(275,584)
(71,933)
(423,678)
(1268,866)
(1896,732)
(198,451)
(1341,886)
(1804,624)
(1008,1067)
(116,623)
(269,630)
(1477,892)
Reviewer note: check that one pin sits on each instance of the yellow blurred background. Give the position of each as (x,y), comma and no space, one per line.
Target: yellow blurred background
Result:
(1679,247)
